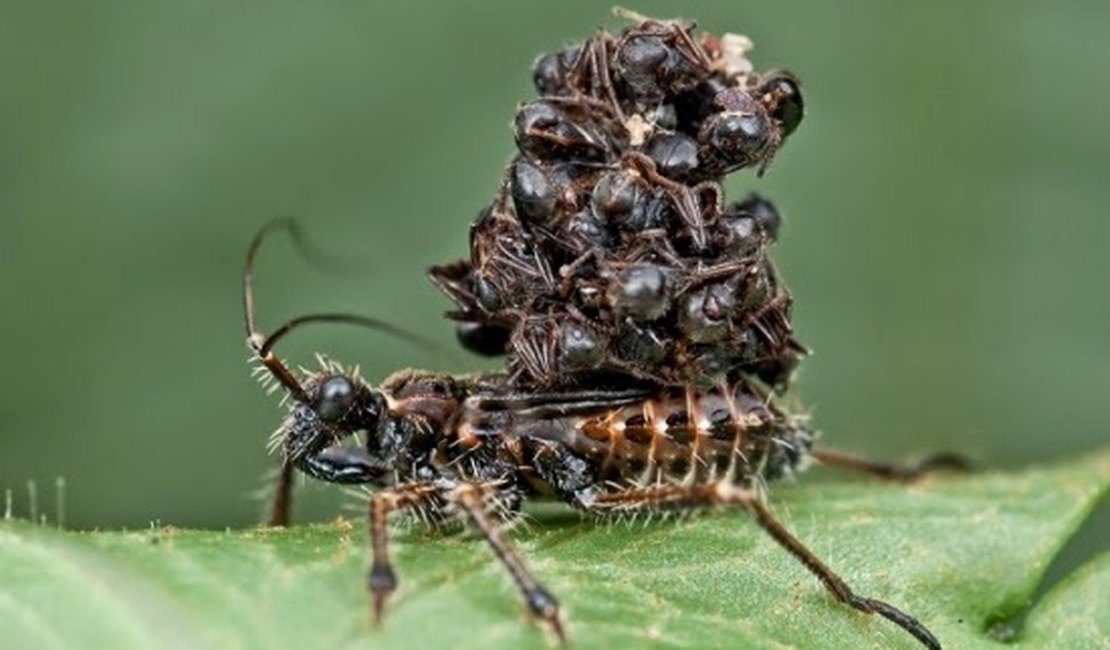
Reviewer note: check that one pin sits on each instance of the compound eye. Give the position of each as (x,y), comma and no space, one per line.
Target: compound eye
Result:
(337,395)
(786,103)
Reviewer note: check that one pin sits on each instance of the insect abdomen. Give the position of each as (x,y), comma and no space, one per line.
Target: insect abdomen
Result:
(689,437)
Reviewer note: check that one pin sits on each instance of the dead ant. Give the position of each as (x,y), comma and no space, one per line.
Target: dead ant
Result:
(475,448)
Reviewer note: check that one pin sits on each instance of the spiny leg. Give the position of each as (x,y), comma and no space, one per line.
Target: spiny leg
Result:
(381,580)
(724,493)
(472,500)
(832,581)
(282,499)
(892,471)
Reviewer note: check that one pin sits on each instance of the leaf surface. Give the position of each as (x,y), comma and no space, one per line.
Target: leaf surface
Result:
(959,553)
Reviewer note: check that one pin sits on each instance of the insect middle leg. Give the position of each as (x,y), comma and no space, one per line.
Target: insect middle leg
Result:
(473,501)
(892,471)
(672,497)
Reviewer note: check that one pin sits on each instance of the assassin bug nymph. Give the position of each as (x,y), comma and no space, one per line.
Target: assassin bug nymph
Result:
(473,447)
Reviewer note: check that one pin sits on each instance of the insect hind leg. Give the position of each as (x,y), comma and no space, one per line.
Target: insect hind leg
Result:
(892,471)
(722,493)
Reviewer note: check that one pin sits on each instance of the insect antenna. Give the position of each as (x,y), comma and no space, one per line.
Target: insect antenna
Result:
(349,319)
(262,344)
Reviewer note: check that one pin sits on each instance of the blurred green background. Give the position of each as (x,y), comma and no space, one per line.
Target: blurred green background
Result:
(946,233)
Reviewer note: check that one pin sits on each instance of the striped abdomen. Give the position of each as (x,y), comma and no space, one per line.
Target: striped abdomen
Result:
(682,437)
(674,436)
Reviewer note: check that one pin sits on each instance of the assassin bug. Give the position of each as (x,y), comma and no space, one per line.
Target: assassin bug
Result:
(476,447)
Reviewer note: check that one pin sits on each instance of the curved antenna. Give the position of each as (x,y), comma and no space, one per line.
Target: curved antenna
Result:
(263,344)
(314,256)
(255,338)
(348,319)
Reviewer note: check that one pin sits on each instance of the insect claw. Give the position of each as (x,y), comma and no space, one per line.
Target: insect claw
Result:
(557,627)
(377,609)
(545,607)
(382,582)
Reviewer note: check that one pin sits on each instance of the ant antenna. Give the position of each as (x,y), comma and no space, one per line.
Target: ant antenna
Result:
(262,344)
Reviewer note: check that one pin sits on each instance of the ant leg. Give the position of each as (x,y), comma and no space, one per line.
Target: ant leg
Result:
(451,279)
(282,500)
(473,500)
(381,580)
(593,61)
(693,50)
(684,199)
(715,194)
(891,471)
(725,493)
(600,75)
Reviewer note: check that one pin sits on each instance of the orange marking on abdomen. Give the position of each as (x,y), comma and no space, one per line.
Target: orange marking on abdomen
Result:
(687,437)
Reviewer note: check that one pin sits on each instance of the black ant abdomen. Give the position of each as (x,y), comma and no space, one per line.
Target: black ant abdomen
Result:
(486,339)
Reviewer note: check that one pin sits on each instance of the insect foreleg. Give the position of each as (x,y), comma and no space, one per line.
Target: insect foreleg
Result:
(281,500)
(891,471)
(724,493)
(381,580)
(473,501)
(339,464)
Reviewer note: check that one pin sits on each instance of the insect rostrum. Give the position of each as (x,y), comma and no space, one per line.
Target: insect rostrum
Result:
(646,329)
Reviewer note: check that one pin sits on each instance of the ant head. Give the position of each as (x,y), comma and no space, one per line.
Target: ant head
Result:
(751,129)
(782,95)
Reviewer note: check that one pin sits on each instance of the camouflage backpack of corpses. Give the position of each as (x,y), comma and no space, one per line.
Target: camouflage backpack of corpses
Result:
(609,252)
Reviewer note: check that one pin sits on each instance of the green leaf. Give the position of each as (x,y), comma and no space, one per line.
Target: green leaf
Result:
(959,553)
